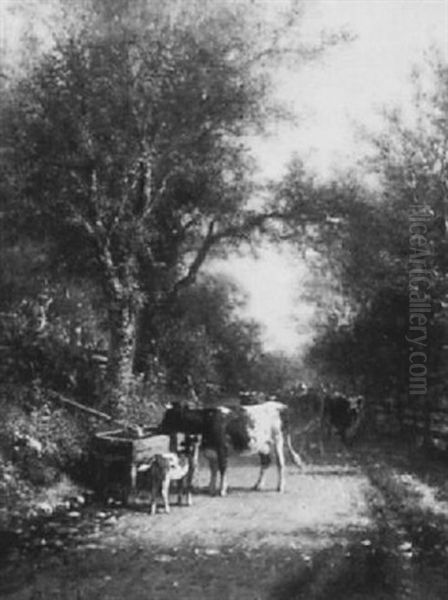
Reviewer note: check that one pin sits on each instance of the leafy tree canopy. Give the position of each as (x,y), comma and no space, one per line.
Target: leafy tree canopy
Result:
(123,145)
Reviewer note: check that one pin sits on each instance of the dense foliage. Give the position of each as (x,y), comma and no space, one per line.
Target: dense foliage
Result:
(124,154)
(376,254)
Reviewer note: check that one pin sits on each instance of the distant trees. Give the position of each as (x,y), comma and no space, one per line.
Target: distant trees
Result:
(204,338)
(368,251)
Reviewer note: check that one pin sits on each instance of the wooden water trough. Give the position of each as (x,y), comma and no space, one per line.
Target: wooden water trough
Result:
(117,455)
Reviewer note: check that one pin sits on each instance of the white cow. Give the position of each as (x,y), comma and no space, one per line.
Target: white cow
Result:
(258,429)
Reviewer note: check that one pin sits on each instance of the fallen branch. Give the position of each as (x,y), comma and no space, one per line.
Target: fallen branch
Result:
(95,413)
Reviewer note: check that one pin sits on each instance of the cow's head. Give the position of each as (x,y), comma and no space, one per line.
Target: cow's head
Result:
(173,417)
(181,418)
(355,406)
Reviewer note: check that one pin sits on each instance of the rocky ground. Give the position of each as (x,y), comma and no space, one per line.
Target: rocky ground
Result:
(345,529)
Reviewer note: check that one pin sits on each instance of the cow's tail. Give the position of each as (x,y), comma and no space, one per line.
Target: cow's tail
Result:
(294,455)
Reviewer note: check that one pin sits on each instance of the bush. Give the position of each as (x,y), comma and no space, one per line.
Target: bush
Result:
(40,440)
(39,351)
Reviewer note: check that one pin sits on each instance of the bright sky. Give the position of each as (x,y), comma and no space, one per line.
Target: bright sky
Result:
(354,80)
(274,281)
(347,86)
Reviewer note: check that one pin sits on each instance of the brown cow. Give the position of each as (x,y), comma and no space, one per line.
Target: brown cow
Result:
(257,429)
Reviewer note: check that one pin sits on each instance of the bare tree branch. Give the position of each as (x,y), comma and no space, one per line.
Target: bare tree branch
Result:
(208,242)
(212,238)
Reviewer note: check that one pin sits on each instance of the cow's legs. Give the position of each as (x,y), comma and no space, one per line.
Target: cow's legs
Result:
(265,461)
(193,464)
(213,464)
(218,463)
(326,435)
(181,487)
(166,493)
(185,488)
(222,467)
(321,434)
(321,445)
(223,483)
(280,459)
(153,506)
(154,493)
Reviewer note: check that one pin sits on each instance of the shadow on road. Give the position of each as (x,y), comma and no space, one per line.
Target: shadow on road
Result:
(342,573)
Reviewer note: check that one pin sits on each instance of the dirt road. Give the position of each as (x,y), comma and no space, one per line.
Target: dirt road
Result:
(255,545)
(318,505)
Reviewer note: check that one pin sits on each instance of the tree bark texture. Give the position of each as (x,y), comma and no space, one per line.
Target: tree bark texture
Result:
(122,325)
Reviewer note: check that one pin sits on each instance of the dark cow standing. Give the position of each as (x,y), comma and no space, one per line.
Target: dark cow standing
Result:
(247,430)
(342,414)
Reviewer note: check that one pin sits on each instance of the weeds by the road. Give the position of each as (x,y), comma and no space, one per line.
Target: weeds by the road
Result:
(415,531)
(403,556)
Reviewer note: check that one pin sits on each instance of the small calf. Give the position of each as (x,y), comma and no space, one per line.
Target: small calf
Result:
(167,468)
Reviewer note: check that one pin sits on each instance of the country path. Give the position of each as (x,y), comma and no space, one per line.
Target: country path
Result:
(256,545)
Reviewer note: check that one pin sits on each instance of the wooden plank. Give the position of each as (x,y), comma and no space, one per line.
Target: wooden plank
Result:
(144,449)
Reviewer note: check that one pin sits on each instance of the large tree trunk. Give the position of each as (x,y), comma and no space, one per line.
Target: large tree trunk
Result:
(145,339)
(122,321)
